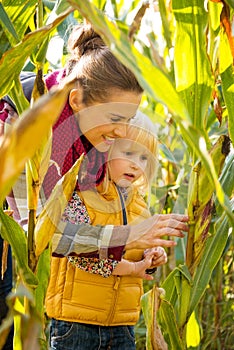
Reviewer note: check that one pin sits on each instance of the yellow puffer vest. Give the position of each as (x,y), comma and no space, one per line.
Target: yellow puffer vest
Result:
(77,296)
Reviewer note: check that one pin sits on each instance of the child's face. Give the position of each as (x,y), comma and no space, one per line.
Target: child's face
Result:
(128,161)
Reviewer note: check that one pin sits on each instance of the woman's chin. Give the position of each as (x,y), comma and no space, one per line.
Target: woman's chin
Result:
(102,147)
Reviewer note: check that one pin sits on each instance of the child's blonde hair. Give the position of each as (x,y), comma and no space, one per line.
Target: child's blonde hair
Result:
(142,131)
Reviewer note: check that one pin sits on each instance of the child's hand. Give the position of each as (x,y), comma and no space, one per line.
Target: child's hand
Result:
(134,269)
(140,267)
(158,255)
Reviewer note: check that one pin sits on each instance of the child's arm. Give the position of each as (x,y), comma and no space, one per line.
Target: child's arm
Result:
(136,269)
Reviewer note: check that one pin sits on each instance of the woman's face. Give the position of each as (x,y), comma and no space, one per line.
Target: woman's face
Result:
(104,122)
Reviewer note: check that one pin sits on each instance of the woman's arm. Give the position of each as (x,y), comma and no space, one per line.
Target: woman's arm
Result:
(109,242)
(104,242)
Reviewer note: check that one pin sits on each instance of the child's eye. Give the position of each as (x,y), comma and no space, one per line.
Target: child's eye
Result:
(128,154)
(144,158)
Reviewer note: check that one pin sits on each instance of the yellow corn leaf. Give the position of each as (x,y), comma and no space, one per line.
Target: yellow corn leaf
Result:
(51,215)
(25,136)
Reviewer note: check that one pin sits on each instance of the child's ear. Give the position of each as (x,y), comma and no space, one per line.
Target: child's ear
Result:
(75,99)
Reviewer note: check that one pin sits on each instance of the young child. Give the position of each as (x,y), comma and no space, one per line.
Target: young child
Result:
(114,301)
(132,164)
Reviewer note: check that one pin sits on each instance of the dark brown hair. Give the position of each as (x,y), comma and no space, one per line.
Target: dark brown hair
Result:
(97,70)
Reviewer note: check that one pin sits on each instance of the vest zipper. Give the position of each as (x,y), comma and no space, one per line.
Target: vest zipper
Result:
(115,289)
(117,279)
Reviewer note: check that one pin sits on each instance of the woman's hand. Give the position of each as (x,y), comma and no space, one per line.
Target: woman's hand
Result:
(150,232)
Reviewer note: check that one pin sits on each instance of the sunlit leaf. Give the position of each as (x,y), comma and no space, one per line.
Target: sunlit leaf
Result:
(193,337)
(49,218)
(17,146)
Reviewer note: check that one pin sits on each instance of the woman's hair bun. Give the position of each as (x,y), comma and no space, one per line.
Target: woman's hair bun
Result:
(82,39)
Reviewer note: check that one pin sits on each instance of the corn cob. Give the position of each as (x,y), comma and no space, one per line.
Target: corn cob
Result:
(200,202)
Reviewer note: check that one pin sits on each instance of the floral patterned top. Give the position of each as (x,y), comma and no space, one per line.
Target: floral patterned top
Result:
(76,213)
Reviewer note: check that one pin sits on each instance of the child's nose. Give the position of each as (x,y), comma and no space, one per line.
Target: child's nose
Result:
(134,165)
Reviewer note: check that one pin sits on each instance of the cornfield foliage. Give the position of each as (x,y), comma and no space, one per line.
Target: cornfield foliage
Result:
(182,53)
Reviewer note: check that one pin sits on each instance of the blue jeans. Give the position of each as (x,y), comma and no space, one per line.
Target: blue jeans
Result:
(5,289)
(78,336)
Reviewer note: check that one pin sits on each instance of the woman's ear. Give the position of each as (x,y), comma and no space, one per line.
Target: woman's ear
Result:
(75,99)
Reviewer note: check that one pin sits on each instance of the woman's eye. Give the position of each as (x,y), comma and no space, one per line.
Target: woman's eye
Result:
(128,154)
(115,120)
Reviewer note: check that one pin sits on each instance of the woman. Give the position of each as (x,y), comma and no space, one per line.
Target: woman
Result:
(105,98)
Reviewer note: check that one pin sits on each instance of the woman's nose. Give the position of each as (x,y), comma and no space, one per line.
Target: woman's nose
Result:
(121,129)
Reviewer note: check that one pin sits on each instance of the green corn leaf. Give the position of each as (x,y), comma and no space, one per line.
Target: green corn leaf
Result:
(17,95)
(230,3)
(14,59)
(228,93)
(8,26)
(43,274)
(169,325)
(19,13)
(226,179)
(184,300)
(194,80)
(14,234)
(169,286)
